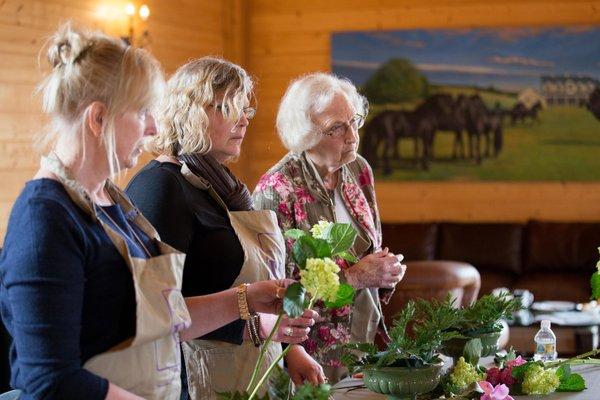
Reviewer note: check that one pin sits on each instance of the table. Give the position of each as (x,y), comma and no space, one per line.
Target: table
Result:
(591,374)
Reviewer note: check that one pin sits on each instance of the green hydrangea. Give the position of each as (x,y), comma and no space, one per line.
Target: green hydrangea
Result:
(320,278)
(465,374)
(320,229)
(538,380)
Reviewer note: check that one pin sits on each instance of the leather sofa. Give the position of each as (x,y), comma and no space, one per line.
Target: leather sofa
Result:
(554,260)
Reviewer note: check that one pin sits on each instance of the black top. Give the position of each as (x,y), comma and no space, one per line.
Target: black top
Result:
(188,219)
(66,293)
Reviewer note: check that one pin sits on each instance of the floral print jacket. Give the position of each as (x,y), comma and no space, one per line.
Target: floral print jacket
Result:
(293,189)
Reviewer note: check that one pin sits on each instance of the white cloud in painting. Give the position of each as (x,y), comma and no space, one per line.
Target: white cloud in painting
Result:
(518,60)
(473,69)
(396,41)
(430,67)
(356,64)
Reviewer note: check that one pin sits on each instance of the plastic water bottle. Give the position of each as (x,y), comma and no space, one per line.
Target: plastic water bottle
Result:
(545,343)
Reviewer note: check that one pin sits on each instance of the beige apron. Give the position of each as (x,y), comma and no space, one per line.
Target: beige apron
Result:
(149,364)
(214,366)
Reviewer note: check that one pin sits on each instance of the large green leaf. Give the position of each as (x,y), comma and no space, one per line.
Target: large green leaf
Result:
(341,237)
(347,256)
(518,371)
(293,301)
(472,351)
(573,383)
(344,296)
(308,247)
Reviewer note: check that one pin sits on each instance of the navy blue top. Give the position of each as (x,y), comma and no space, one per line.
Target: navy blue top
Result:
(66,294)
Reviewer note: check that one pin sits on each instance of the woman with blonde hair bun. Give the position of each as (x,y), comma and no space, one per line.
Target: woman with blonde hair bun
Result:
(199,207)
(88,292)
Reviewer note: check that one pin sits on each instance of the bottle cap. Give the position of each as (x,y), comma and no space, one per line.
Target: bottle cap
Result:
(546,323)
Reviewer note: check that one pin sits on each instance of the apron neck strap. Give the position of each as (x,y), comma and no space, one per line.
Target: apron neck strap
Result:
(80,196)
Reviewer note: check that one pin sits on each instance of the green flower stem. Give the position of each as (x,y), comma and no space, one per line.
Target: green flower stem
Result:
(263,349)
(275,362)
(580,359)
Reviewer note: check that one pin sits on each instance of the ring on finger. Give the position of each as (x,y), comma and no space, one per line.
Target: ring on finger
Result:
(288,331)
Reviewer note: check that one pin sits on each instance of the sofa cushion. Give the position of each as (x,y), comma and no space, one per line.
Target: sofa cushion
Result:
(555,286)
(489,247)
(414,241)
(560,246)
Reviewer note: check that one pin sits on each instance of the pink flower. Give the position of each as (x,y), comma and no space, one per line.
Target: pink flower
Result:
(499,392)
(516,362)
(497,376)
(283,209)
(493,376)
(299,212)
(304,196)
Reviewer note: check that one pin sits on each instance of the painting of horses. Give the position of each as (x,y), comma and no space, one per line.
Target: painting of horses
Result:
(497,104)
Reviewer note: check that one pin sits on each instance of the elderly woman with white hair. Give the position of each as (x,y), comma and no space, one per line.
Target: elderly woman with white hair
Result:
(323,178)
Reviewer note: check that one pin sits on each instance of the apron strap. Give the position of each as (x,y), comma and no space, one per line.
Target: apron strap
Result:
(202,184)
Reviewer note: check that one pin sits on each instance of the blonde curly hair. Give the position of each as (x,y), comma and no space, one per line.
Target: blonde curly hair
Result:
(183,122)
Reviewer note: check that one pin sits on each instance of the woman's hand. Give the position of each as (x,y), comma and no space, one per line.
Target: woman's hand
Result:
(267,296)
(290,330)
(303,368)
(381,269)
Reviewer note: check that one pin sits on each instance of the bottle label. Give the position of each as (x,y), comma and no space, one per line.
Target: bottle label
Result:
(545,348)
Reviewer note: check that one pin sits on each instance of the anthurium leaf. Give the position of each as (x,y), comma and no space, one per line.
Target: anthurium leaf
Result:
(595,285)
(347,256)
(563,372)
(472,351)
(341,237)
(294,233)
(572,383)
(344,296)
(293,301)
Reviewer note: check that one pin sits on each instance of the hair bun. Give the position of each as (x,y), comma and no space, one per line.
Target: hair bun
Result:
(66,46)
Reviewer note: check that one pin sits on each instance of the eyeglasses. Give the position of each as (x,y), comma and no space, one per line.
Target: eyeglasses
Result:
(340,128)
(249,112)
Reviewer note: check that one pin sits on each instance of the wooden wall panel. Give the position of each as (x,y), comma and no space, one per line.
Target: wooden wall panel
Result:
(180,30)
(287,38)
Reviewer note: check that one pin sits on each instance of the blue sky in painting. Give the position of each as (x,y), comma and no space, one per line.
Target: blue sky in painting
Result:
(506,58)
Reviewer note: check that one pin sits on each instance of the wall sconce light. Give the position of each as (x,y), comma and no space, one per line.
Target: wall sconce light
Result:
(137,20)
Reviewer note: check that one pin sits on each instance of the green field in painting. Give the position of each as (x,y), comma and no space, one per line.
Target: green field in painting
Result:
(563,146)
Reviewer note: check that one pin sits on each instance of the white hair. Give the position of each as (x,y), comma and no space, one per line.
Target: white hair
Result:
(309,95)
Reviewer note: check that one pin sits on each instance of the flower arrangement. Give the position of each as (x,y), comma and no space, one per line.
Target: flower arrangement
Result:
(315,252)
(416,336)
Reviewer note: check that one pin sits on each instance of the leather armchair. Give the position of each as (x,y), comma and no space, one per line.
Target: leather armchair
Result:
(433,280)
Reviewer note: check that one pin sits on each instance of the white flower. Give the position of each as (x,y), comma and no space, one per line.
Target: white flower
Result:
(321,229)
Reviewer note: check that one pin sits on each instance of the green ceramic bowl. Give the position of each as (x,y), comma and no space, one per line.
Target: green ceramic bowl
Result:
(454,347)
(403,382)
